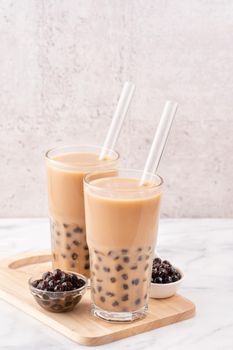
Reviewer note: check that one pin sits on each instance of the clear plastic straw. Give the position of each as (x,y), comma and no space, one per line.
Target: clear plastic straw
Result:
(159,140)
(118,118)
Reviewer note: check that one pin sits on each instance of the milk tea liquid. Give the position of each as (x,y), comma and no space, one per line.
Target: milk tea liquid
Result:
(122,227)
(65,174)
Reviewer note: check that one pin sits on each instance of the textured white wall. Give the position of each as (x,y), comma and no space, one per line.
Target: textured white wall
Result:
(62,66)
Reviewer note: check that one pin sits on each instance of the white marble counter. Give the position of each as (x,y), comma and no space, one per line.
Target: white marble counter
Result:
(202,248)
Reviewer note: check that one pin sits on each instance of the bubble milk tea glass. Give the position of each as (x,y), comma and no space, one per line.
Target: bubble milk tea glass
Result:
(66,167)
(122,222)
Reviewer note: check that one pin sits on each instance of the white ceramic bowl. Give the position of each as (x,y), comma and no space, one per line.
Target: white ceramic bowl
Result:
(166,290)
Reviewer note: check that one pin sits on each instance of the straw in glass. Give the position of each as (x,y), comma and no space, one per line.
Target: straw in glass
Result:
(118,119)
(159,140)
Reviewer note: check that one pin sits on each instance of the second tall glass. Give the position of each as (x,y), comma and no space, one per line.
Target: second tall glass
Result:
(66,167)
(122,221)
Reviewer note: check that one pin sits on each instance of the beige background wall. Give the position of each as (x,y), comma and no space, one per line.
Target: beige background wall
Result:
(62,66)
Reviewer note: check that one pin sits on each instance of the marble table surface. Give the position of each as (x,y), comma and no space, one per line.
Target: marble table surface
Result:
(202,248)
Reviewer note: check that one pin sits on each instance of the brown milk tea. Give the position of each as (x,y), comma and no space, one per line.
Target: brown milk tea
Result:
(122,221)
(65,172)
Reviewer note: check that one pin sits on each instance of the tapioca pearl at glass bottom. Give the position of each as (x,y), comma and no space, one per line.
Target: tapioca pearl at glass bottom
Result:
(135,281)
(119,267)
(115,303)
(74,256)
(78,229)
(99,288)
(125,297)
(106,269)
(125,286)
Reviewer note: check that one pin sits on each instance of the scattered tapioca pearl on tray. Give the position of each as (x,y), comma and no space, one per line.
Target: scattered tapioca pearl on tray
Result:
(163,272)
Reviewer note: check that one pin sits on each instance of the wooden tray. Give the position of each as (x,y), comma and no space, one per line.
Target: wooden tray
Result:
(79,325)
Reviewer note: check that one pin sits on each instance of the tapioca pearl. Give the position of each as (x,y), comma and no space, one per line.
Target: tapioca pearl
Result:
(114,255)
(68,298)
(78,229)
(58,233)
(87,256)
(87,266)
(99,288)
(99,280)
(74,256)
(56,307)
(125,286)
(85,247)
(125,309)
(73,265)
(96,266)
(146,267)
(137,301)
(68,234)
(76,242)
(115,303)
(64,256)
(106,269)
(99,258)
(110,294)
(125,297)
(135,281)
(77,298)
(124,276)
(96,251)
(139,249)
(68,303)
(113,279)
(126,259)
(124,251)
(102,299)
(65,225)
(133,267)
(140,258)
(68,247)
(119,267)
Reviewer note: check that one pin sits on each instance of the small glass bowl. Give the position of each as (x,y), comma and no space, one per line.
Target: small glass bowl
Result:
(58,301)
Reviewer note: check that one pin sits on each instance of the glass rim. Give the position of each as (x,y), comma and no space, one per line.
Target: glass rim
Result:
(155,186)
(80,149)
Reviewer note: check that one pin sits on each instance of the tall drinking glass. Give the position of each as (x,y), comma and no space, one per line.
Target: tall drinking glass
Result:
(66,167)
(122,222)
